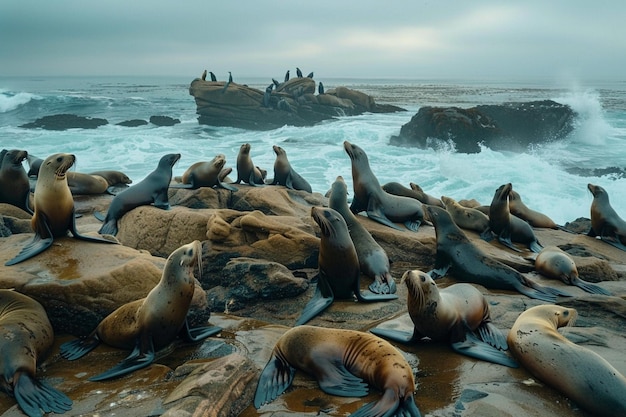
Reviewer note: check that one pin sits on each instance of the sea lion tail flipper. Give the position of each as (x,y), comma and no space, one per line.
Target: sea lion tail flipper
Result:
(370,297)
(492,335)
(590,288)
(78,348)
(473,347)
(395,335)
(387,405)
(275,378)
(506,241)
(99,216)
(337,380)
(109,228)
(545,290)
(442,265)
(87,238)
(226,186)
(487,235)
(35,247)
(535,246)
(198,333)
(136,360)
(383,284)
(321,300)
(34,396)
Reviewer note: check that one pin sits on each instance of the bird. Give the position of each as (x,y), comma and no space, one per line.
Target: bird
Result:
(298,72)
(310,74)
(287,76)
(230,80)
(204,75)
(276,83)
(213,77)
(320,88)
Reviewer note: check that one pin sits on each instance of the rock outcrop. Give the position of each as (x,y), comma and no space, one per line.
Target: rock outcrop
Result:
(65,121)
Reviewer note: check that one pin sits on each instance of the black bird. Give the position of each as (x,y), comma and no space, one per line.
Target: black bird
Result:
(298,72)
(287,76)
(320,88)
(310,74)
(276,83)
(213,77)
(267,95)
(230,80)
(203,75)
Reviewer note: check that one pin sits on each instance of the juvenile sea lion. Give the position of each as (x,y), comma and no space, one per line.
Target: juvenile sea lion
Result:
(151,323)
(246,170)
(86,184)
(284,174)
(453,315)
(554,263)
(381,206)
(423,197)
(152,189)
(205,174)
(373,260)
(507,227)
(465,217)
(343,362)
(26,336)
(470,264)
(396,188)
(54,208)
(581,374)
(113,177)
(534,218)
(339,271)
(605,222)
(14,184)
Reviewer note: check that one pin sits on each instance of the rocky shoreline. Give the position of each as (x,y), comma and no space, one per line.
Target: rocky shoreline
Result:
(260,250)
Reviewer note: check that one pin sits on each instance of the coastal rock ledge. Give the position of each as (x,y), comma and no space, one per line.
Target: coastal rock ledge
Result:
(507,126)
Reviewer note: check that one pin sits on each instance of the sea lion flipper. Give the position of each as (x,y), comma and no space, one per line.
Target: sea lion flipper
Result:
(590,288)
(226,186)
(34,396)
(473,347)
(99,216)
(78,236)
(137,359)
(274,380)
(183,186)
(35,247)
(369,297)
(321,300)
(614,242)
(535,246)
(492,335)
(337,380)
(78,348)
(375,212)
(395,335)
(383,285)
(198,333)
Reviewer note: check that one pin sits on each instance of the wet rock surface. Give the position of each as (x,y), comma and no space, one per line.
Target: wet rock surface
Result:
(257,268)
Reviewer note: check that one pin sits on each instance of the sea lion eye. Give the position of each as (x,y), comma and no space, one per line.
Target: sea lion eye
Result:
(59,159)
(423,278)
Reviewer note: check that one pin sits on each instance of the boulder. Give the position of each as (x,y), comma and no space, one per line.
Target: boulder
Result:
(164,121)
(65,121)
(133,123)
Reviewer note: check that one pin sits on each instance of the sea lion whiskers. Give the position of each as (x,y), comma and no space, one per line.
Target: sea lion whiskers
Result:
(66,164)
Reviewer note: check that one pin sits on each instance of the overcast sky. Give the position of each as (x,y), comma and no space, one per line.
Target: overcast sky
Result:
(365,38)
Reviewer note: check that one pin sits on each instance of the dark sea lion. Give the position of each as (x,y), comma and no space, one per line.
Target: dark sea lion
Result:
(152,189)
(605,222)
(151,323)
(465,217)
(469,264)
(552,262)
(26,336)
(343,362)
(458,314)
(284,174)
(396,188)
(246,170)
(534,218)
(373,260)
(86,184)
(581,374)
(14,184)
(54,208)
(381,206)
(205,174)
(338,263)
(34,163)
(507,227)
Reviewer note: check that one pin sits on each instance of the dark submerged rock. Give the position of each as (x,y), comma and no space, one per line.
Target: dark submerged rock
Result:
(65,121)
(164,121)
(133,123)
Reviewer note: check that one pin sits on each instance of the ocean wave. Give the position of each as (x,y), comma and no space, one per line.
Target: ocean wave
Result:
(10,101)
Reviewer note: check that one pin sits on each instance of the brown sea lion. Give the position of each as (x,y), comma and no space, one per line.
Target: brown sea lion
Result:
(552,262)
(343,362)
(396,188)
(424,197)
(284,174)
(26,336)
(373,260)
(205,174)
(113,177)
(380,206)
(454,315)
(152,189)
(581,374)
(151,323)
(54,208)
(86,184)
(246,170)
(14,185)
(338,263)
(605,222)
(469,264)
(465,217)
(534,218)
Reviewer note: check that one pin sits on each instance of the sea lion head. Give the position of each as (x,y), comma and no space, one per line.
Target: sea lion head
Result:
(328,220)
(339,187)
(514,196)
(502,193)
(187,256)
(354,152)
(421,286)
(596,190)
(556,315)
(14,157)
(278,150)
(219,161)
(169,160)
(245,148)
(59,163)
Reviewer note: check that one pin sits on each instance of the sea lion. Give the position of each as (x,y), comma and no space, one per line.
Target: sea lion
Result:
(381,206)
(507,227)
(396,188)
(424,197)
(338,263)
(343,362)
(534,218)
(454,315)
(113,177)
(205,174)
(284,174)
(86,184)
(151,323)
(54,208)
(465,217)
(14,184)
(373,260)
(34,163)
(552,262)
(470,264)
(152,189)
(581,374)
(605,222)
(26,336)
(246,170)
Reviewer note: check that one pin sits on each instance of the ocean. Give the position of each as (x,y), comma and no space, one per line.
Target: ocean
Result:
(543,174)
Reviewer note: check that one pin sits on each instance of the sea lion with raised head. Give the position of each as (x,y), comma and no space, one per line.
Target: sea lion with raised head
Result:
(284,174)
(344,363)
(373,260)
(468,263)
(151,323)
(581,374)
(458,314)
(152,189)
(605,222)
(246,170)
(396,188)
(339,271)
(113,177)
(465,217)
(533,217)
(424,197)
(205,174)
(26,336)
(380,206)
(54,208)
(14,184)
